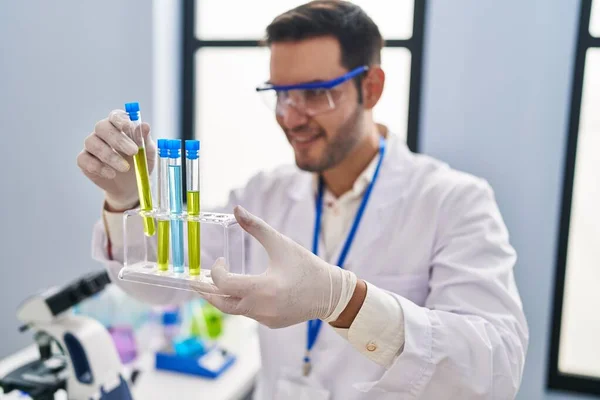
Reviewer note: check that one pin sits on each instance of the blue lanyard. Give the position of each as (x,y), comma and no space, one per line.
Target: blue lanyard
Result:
(314,326)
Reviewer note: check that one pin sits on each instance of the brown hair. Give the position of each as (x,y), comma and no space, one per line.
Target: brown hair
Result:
(359,37)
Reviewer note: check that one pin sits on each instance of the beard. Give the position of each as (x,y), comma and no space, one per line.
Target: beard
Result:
(337,146)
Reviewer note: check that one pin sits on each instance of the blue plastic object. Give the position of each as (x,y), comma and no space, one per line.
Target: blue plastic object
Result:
(121,392)
(163,147)
(316,85)
(194,364)
(170,317)
(192,147)
(189,346)
(79,359)
(174,148)
(133,109)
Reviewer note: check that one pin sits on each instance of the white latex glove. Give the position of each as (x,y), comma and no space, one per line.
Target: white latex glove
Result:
(297,286)
(107,159)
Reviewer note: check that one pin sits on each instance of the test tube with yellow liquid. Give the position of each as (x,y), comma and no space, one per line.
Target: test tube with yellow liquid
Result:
(163,205)
(192,148)
(141,166)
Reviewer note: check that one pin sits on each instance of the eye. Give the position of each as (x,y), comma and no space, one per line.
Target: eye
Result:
(315,93)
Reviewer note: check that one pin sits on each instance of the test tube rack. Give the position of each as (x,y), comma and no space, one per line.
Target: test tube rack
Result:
(221,236)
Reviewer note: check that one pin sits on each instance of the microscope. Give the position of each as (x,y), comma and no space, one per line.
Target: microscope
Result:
(77,353)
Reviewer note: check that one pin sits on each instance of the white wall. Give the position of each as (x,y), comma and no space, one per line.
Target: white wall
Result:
(166,67)
(496,102)
(63,65)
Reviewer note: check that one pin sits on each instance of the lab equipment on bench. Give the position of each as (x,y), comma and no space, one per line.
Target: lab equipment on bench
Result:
(122,315)
(209,319)
(196,359)
(141,165)
(213,318)
(171,328)
(77,353)
(124,339)
(189,354)
(202,319)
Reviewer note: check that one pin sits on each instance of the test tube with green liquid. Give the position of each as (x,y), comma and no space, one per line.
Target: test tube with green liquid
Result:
(163,205)
(192,148)
(141,166)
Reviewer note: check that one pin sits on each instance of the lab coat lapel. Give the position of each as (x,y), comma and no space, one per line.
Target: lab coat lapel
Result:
(382,208)
(383,205)
(299,223)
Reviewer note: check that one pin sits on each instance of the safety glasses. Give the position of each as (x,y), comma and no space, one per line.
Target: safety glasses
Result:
(310,98)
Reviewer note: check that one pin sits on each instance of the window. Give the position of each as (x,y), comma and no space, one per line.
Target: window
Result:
(221,107)
(595,19)
(575,347)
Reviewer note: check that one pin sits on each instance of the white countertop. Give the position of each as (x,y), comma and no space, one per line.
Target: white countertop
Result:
(240,338)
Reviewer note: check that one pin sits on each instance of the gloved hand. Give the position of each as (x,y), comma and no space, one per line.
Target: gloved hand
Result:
(107,159)
(297,286)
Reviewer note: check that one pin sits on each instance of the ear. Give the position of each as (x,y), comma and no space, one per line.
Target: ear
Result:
(372,86)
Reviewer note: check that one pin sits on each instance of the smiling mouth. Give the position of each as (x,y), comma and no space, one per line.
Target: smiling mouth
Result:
(304,139)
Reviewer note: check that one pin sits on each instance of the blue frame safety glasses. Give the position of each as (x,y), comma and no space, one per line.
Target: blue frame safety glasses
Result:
(310,98)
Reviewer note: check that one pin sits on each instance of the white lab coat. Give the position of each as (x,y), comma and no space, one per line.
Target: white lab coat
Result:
(434,238)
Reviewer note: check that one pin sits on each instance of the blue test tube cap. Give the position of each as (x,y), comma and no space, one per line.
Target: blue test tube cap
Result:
(163,147)
(175,148)
(133,109)
(170,317)
(192,147)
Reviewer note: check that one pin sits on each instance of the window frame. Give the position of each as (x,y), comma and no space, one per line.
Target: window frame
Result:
(555,378)
(191,44)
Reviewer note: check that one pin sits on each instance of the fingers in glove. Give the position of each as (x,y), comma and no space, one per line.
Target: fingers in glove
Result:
(233,284)
(93,166)
(103,152)
(259,229)
(121,122)
(150,145)
(228,305)
(115,138)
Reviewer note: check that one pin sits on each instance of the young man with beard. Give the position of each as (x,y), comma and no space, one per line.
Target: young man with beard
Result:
(412,294)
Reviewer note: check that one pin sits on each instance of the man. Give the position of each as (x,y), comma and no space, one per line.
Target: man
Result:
(425,305)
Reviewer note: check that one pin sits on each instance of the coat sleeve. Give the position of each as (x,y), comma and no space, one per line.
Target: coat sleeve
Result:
(469,340)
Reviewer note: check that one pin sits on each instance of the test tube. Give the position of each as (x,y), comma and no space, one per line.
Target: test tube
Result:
(163,205)
(176,204)
(141,166)
(192,163)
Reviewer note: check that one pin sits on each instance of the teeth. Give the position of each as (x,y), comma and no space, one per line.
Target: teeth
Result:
(304,139)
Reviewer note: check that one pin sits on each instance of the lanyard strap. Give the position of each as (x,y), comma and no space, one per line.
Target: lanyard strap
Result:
(314,326)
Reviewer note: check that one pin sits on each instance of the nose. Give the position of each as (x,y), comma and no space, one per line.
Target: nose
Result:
(292,117)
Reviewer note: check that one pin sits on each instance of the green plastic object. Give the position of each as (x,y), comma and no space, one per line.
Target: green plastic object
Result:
(213,318)
(205,321)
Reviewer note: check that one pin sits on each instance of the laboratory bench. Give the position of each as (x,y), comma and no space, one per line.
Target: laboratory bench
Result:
(240,337)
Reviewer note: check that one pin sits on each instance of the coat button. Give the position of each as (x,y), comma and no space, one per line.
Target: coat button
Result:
(371,346)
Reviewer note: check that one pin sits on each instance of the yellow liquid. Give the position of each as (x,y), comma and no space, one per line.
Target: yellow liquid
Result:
(163,245)
(193,208)
(143,184)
